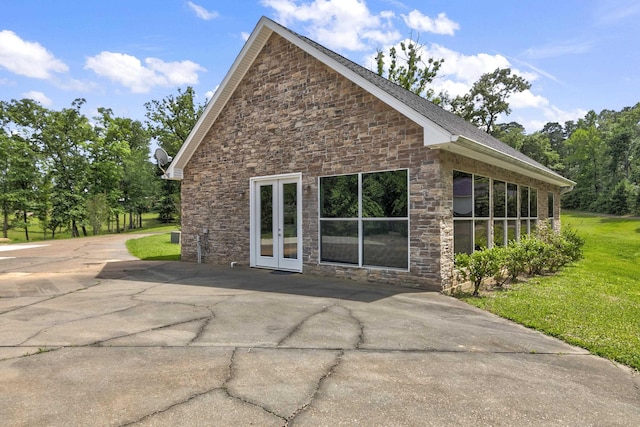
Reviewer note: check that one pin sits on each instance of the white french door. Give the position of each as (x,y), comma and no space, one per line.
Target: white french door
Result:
(276,222)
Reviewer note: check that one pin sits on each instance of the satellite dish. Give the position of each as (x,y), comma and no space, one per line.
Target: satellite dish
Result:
(163,159)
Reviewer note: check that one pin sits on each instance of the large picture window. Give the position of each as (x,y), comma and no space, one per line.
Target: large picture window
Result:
(489,212)
(364,219)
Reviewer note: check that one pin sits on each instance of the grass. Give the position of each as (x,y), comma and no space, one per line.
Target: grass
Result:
(594,304)
(150,223)
(156,247)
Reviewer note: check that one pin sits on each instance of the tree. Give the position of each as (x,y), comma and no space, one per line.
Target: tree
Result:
(586,162)
(409,70)
(19,173)
(64,138)
(620,202)
(488,98)
(512,134)
(170,121)
(97,207)
(556,135)
(538,147)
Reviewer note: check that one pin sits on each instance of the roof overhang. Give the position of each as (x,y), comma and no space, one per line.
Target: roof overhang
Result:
(253,46)
(435,136)
(458,144)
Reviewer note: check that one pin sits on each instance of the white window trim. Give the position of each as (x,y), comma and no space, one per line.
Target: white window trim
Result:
(360,221)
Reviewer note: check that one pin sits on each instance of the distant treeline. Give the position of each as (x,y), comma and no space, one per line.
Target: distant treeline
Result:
(600,152)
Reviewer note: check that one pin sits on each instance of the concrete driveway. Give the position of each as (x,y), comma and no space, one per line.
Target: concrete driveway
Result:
(91,336)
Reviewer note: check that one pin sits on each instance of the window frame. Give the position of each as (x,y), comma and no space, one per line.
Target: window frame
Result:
(361,219)
(511,226)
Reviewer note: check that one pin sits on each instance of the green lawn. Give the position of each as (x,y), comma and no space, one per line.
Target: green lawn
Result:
(156,247)
(594,304)
(150,223)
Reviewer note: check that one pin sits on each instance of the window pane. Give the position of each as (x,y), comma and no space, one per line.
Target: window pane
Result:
(511,230)
(524,202)
(339,241)
(524,228)
(550,202)
(533,196)
(339,196)
(290,220)
(462,237)
(498,233)
(481,235)
(462,194)
(384,194)
(499,199)
(481,196)
(266,220)
(385,243)
(512,200)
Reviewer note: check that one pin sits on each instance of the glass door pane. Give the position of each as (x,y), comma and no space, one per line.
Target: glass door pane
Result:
(290,220)
(266,220)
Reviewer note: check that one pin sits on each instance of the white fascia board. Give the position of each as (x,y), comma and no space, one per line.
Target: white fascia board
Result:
(472,149)
(234,76)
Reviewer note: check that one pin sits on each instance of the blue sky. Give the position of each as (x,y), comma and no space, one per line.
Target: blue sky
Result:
(579,55)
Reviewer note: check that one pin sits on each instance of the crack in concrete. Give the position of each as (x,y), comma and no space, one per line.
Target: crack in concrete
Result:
(203,326)
(168,408)
(77,320)
(230,377)
(158,328)
(297,327)
(321,381)
(360,326)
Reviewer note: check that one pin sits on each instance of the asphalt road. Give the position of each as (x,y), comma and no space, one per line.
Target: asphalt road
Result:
(91,336)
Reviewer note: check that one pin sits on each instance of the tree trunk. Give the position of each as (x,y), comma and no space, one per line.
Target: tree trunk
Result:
(26,228)
(124,221)
(5,223)
(74,229)
(84,230)
(117,222)
(130,220)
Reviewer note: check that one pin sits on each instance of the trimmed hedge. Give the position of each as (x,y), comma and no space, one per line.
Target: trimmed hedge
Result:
(545,252)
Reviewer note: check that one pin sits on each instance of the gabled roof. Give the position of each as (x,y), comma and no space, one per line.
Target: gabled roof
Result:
(442,129)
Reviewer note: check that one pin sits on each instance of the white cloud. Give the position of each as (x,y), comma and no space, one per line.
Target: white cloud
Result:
(440,25)
(338,24)
(532,122)
(555,114)
(201,12)
(527,99)
(28,58)
(559,48)
(209,94)
(245,36)
(129,71)
(39,97)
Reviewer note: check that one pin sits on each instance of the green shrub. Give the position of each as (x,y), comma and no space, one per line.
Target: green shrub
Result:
(499,254)
(515,260)
(546,251)
(573,244)
(536,253)
(477,266)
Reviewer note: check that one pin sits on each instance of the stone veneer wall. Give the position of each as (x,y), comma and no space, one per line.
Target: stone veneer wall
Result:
(291,113)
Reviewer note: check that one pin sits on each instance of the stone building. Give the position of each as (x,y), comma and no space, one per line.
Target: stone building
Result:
(307,162)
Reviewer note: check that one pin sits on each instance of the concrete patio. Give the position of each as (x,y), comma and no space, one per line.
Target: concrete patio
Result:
(91,336)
